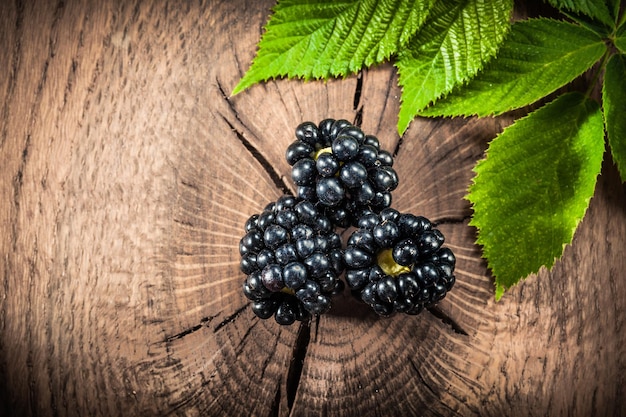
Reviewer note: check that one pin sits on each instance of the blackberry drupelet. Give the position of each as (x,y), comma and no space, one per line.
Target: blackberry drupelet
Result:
(292,259)
(396,262)
(341,169)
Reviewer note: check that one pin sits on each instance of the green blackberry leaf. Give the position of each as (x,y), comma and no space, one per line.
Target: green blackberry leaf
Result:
(537,57)
(620,42)
(599,28)
(614,102)
(596,9)
(451,47)
(326,38)
(614,6)
(534,186)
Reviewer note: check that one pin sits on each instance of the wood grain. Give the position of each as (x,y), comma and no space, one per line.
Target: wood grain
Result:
(128,172)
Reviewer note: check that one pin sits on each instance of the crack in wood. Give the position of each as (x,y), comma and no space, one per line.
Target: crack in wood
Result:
(297,361)
(358,90)
(358,117)
(451,220)
(446,319)
(269,357)
(230,318)
(275,408)
(267,166)
(396,150)
(242,342)
(185,223)
(421,378)
(317,327)
(18,180)
(190,185)
(203,322)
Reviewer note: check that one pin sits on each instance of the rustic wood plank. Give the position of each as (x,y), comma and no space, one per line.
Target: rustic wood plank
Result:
(128,173)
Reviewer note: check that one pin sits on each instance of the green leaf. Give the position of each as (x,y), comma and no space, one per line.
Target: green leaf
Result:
(599,28)
(537,57)
(614,6)
(534,186)
(324,38)
(451,47)
(620,42)
(593,8)
(614,103)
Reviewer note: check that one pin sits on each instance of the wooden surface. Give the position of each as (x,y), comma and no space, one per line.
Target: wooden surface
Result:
(127,173)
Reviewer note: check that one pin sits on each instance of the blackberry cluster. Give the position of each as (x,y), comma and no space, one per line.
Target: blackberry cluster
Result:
(337,166)
(292,258)
(395,262)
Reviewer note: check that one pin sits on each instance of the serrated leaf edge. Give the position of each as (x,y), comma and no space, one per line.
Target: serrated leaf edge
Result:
(466,80)
(492,114)
(500,288)
(353,68)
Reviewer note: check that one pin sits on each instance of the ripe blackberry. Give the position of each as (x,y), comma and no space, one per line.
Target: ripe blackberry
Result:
(395,262)
(335,165)
(292,259)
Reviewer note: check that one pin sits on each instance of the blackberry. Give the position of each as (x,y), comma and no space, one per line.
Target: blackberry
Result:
(341,169)
(292,259)
(396,262)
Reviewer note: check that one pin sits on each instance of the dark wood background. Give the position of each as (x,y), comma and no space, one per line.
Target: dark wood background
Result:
(127,173)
